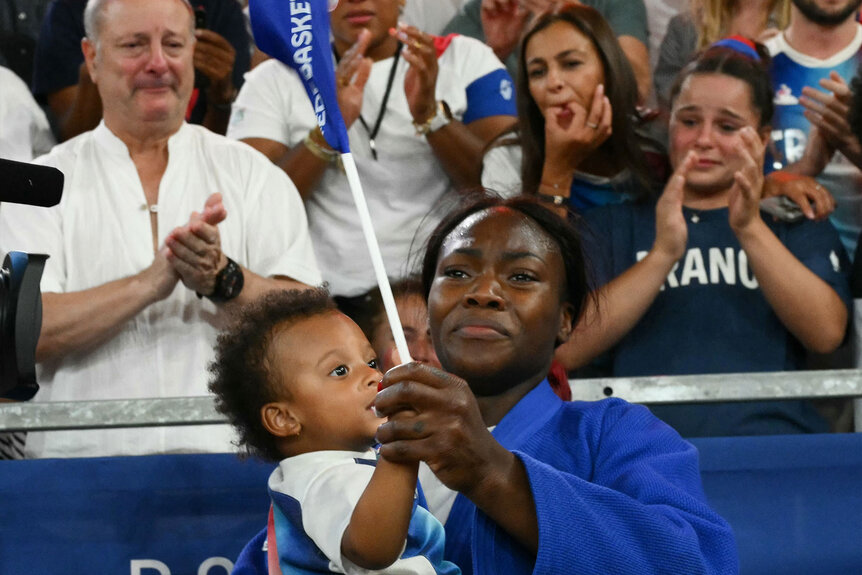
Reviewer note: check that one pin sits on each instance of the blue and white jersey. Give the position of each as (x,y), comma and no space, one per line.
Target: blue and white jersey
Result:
(313,497)
(792,71)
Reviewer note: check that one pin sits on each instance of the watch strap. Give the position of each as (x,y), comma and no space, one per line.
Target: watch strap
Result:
(441,118)
(228,283)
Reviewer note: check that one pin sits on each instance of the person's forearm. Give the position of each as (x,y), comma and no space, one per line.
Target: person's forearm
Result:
(81,320)
(852,151)
(460,147)
(810,309)
(557,175)
(219,99)
(620,305)
(503,494)
(811,164)
(216,118)
(377,530)
(638,56)
(77,108)
(255,286)
(304,167)
(459,151)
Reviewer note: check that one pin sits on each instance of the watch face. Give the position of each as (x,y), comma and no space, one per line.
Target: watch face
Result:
(231,285)
(441,118)
(229,282)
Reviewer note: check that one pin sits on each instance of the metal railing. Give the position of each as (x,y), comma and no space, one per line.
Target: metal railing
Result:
(48,416)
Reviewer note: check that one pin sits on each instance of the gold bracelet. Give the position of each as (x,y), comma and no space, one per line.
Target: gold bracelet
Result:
(442,117)
(317,150)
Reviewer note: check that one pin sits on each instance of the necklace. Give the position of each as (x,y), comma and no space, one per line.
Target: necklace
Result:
(372,132)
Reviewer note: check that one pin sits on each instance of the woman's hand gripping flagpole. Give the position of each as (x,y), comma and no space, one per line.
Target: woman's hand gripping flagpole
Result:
(296,32)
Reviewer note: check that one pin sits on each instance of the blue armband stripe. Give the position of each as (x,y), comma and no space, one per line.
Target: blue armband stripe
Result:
(491,95)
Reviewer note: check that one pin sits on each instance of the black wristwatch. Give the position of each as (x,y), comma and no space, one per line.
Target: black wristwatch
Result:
(228,283)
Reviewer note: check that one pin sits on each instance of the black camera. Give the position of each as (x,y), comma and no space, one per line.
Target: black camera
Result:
(20,296)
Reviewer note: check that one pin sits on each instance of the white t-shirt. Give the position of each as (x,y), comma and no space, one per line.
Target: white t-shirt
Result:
(430,16)
(24,129)
(501,170)
(406,187)
(314,495)
(101,232)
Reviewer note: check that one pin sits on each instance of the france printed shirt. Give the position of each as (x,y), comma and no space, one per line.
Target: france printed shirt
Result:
(313,497)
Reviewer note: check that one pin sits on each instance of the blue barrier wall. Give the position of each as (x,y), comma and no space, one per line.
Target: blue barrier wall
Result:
(152,515)
(795,503)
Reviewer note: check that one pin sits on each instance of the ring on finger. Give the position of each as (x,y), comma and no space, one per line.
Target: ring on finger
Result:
(593,126)
(343,82)
(417,44)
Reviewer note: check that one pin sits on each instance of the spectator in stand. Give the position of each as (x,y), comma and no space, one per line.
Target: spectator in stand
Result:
(708,21)
(413,313)
(24,129)
(419,111)
(576,99)
(812,62)
(501,23)
(162,230)
(578,149)
(431,15)
(61,78)
(701,282)
(19,30)
(659,14)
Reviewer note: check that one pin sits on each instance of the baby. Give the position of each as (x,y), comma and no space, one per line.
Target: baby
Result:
(298,380)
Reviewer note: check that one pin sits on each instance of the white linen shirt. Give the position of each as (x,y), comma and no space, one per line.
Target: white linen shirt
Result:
(101,232)
(24,129)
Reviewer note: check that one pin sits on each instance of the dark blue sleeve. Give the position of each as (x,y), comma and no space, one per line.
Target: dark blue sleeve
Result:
(818,246)
(643,510)
(596,240)
(58,55)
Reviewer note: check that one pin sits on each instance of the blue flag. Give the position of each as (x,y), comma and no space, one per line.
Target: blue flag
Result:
(296,32)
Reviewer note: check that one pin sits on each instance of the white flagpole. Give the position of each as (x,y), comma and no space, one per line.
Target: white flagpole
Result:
(376,257)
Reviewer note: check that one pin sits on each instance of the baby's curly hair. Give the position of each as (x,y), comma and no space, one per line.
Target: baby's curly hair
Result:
(243,373)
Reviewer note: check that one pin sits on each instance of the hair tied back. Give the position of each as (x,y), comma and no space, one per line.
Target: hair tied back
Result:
(739,44)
